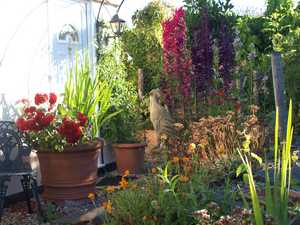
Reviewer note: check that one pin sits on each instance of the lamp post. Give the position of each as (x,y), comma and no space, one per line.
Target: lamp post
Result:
(117,25)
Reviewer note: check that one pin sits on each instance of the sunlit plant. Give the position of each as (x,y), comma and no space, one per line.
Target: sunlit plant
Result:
(276,197)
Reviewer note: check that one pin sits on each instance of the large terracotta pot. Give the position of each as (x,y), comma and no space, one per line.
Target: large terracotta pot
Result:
(130,157)
(71,174)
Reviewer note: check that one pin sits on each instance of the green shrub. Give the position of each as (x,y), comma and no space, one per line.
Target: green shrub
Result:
(111,70)
(143,44)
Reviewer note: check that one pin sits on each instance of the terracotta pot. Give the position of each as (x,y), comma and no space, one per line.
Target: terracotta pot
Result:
(71,174)
(130,157)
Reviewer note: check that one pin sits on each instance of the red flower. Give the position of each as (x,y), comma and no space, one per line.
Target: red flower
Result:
(30,110)
(221,93)
(21,124)
(70,130)
(31,125)
(52,98)
(46,120)
(40,98)
(82,119)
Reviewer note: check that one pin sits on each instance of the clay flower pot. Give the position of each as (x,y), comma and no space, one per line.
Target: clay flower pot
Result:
(130,157)
(71,174)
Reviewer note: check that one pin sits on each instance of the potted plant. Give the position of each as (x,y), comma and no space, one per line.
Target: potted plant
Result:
(65,135)
(129,151)
(122,130)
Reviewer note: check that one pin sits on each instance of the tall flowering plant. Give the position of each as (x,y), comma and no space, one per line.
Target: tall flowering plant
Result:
(226,56)
(47,129)
(177,62)
(202,56)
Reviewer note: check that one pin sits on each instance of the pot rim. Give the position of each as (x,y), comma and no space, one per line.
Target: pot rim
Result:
(129,145)
(86,147)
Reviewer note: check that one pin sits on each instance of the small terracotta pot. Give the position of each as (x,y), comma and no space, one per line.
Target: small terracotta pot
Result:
(71,174)
(130,157)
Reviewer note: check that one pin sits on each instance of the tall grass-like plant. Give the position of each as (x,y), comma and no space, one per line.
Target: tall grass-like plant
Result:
(276,197)
(88,95)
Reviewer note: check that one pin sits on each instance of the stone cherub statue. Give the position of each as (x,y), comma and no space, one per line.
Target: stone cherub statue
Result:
(160,117)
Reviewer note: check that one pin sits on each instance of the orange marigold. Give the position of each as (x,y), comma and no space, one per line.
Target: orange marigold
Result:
(126,173)
(91,196)
(185,159)
(107,206)
(110,189)
(175,159)
(192,148)
(123,183)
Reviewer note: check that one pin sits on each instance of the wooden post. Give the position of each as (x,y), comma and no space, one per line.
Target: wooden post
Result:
(279,92)
(140,84)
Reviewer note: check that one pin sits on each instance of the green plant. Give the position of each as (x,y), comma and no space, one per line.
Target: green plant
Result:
(276,197)
(88,95)
(143,44)
(169,182)
(111,70)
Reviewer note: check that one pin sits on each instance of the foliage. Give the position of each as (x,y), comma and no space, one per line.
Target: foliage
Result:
(218,11)
(282,28)
(276,198)
(111,69)
(177,64)
(219,136)
(87,95)
(174,194)
(211,34)
(273,5)
(143,46)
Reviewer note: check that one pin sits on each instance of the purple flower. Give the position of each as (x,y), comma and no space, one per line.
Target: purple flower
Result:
(202,55)
(226,56)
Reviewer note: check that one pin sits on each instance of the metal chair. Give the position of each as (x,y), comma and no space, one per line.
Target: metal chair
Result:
(14,161)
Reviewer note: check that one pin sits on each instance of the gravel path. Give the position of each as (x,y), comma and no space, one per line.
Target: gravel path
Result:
(17,214)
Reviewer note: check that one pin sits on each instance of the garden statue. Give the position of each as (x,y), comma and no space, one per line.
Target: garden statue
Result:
(160,117)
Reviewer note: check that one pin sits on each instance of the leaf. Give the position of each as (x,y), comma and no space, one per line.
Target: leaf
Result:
(259,159)
(241,169)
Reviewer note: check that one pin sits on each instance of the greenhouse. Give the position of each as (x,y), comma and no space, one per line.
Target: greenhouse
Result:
(150,112)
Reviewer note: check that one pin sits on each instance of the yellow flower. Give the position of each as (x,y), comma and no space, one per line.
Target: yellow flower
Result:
(201,146)
(123,183)
(185,159)
(110,189)
(192,148)
(175,159)
(126,173)
(107,206)
(164,137)
(178,126)
(91,196)
(294,157)
(154,170)
(184,179)
(246,143)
